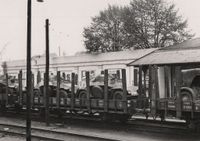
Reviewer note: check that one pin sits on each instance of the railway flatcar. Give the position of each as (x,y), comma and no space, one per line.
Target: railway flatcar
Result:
(102,95)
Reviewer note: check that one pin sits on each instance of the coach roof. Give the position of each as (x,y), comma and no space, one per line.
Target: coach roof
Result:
(102,57)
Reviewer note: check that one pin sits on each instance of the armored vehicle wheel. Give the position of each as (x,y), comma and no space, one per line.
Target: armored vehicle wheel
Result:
(118,95)
(83,97)
(97,92)
(64,94)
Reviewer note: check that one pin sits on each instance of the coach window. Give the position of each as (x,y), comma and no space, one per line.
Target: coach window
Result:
(68,77)
(116,73)
(63,76)
(92,74)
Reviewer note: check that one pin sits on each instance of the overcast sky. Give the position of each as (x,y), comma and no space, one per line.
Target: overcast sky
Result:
(67,20)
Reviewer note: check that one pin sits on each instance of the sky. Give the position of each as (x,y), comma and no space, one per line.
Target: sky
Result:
(67,20)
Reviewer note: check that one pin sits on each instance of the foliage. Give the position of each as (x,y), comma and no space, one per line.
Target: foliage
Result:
(105,33)
(142,24)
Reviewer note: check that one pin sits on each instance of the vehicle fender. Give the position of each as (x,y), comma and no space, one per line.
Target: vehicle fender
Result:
(112,91)
(190,90)
(78,91)
(116,89)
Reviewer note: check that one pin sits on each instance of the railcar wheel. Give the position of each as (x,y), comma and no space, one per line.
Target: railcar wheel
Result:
(192,125)
(146,116)
(124,118)
(154,117)
(105,117)
(59,113)
(42,112)
(18,108)
(162,116)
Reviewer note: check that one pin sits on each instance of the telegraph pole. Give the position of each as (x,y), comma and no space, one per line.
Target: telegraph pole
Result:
(47,74)
(28,74)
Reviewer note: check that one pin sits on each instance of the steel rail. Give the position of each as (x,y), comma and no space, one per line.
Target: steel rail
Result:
(50,135)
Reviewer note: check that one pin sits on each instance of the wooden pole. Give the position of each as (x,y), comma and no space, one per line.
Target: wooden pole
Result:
(76,79)
(106,90)
(28,73)
(32,87)
(20,87)
(58,90)
(118,74)
(88,90)
(124,86)
(63,76)
(7,91)
(72,90)
(47,74)
(38,77)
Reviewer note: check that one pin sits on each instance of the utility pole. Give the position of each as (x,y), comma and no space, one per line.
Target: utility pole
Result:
(28,74)
(47,74)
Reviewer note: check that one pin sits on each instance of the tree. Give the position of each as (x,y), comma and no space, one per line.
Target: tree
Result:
(142,24)
(105,33)
(154,23)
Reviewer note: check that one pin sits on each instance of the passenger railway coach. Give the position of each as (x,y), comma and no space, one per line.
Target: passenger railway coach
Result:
(79,64)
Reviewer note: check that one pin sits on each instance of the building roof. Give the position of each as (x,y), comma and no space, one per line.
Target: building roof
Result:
(102,57)
(185,52)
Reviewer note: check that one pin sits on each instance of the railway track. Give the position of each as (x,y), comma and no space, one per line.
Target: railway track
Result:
(49,135)
(135,124)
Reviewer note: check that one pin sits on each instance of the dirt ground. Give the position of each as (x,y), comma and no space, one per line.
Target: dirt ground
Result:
(114,134)
(10,138)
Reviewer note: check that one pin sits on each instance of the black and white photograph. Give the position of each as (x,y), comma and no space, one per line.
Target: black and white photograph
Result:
(99,70)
